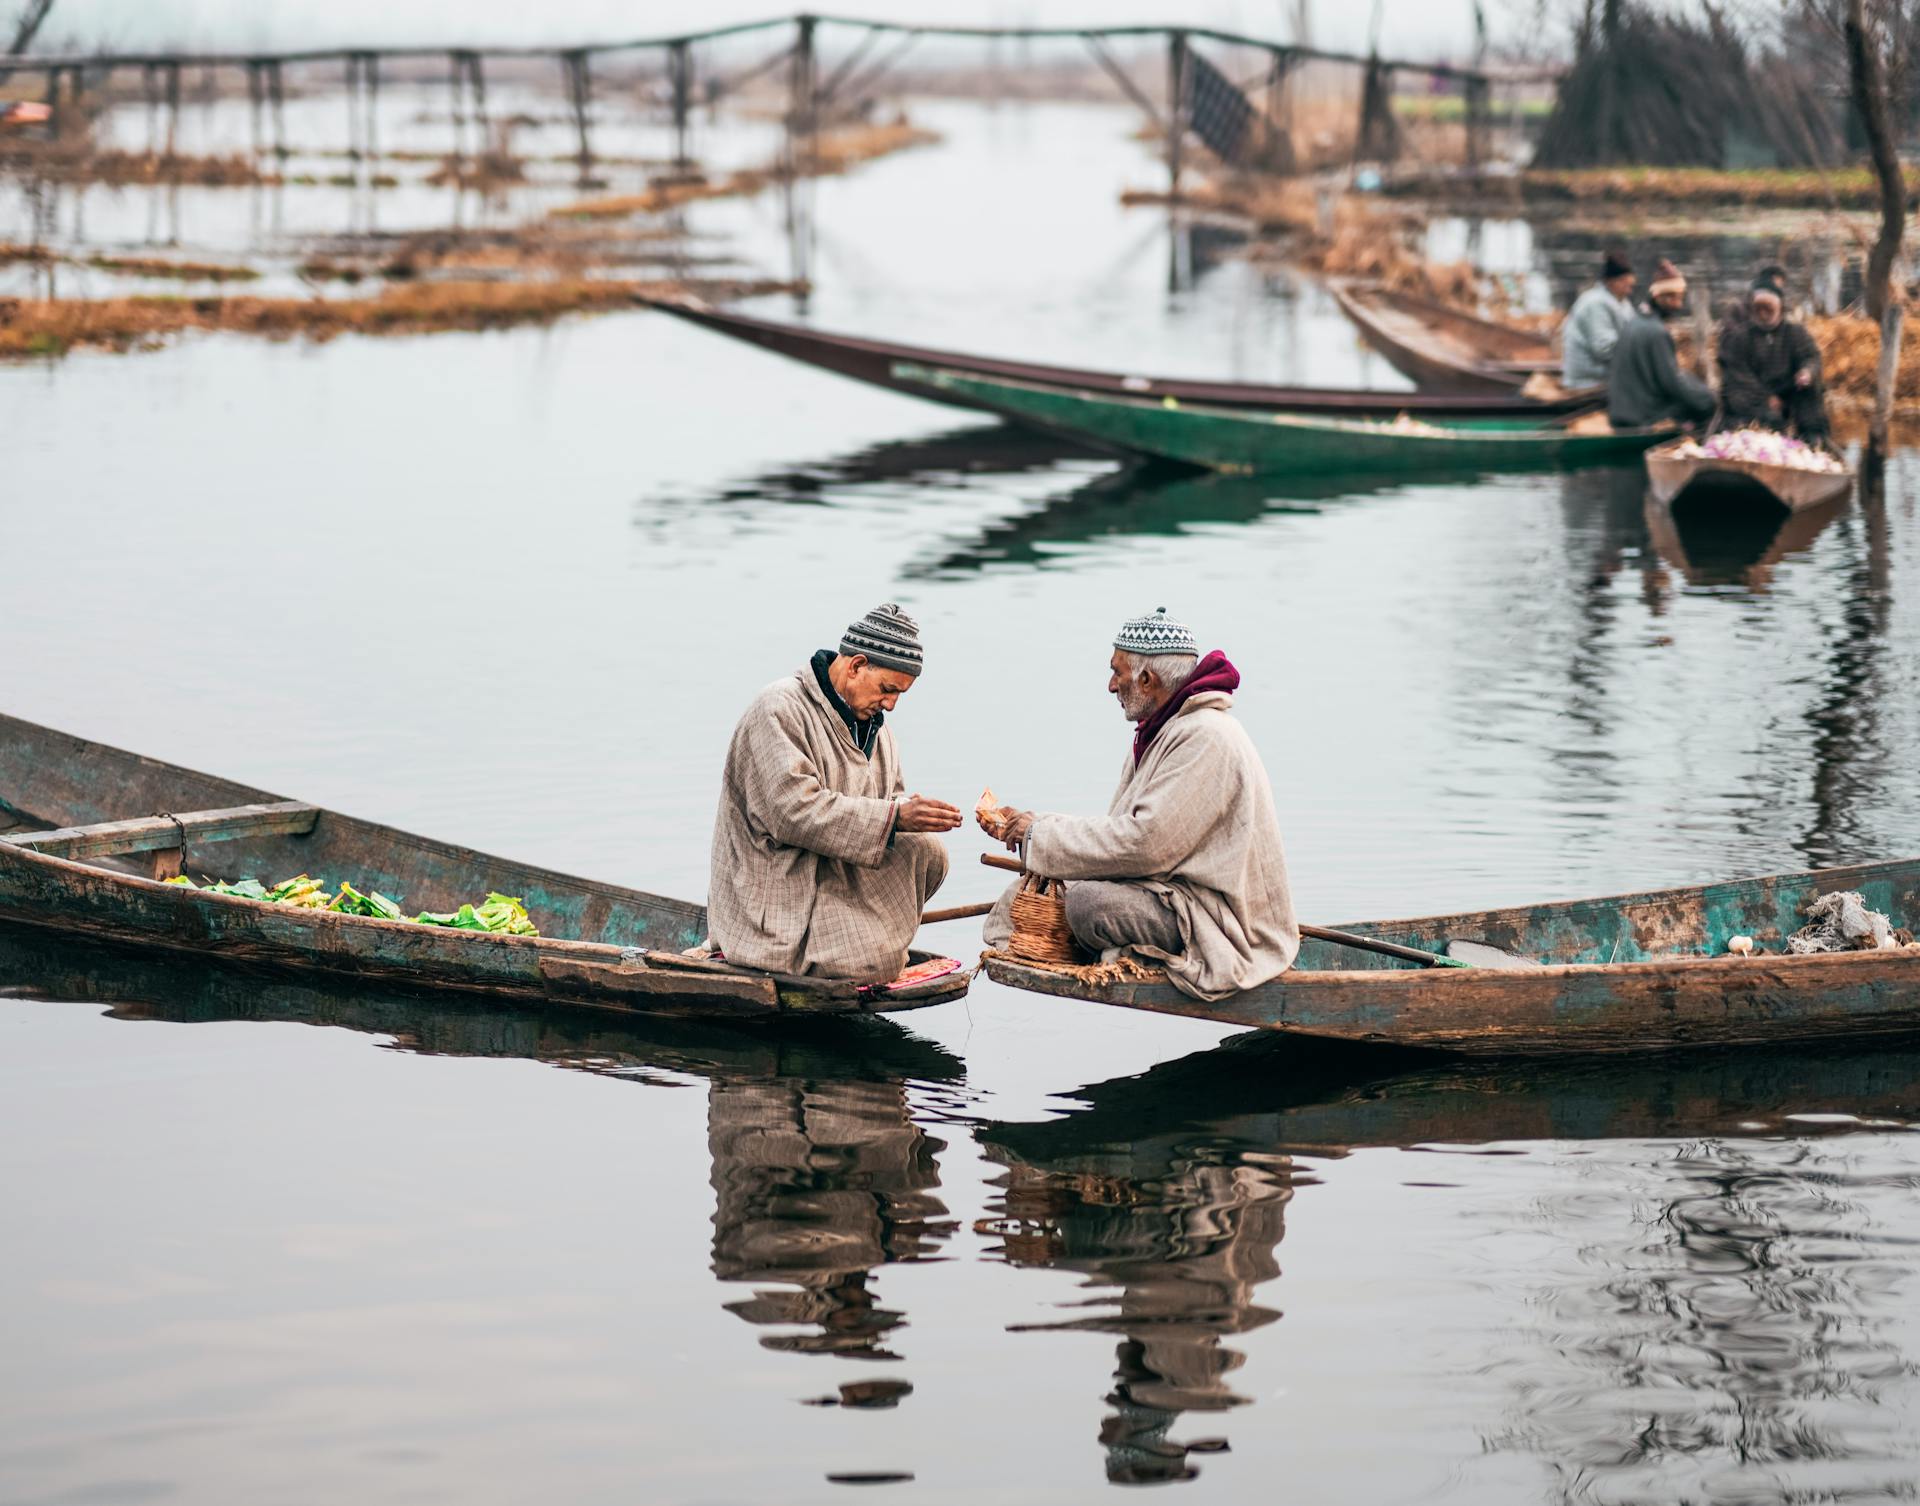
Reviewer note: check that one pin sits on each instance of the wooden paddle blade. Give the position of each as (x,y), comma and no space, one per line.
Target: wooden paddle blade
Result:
(1479,954)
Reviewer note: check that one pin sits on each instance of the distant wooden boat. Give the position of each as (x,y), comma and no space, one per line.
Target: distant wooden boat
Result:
(81,853)
(1248,443)
(1672,474)
(873,362)
(1447,351)
(1631,972)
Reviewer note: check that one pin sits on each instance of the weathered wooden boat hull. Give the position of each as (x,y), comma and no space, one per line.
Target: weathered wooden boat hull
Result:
(1447,351)
(1625,973)
(1280,443)
(51,780)
(873,362)
(1672,475)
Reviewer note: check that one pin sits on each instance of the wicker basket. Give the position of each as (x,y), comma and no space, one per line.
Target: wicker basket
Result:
(1040,931)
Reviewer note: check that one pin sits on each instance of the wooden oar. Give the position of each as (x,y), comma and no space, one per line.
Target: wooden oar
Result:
(958,912)
(1318,933)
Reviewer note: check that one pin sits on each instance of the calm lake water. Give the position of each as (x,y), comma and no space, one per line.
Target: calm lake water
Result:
(513,590)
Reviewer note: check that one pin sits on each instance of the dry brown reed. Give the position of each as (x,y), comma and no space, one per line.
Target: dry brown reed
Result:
(160,266)
(30,327)
(835,151)
(69,162)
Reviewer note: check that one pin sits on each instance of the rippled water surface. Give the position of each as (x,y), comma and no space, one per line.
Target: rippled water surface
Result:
(513,590)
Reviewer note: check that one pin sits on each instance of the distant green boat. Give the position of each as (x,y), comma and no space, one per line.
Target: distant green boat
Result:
(1224,439)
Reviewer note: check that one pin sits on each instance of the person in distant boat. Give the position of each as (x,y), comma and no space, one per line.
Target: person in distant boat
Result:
(1645,385)
(1187,866)
(822,863)
(1595,321)
(1770,369)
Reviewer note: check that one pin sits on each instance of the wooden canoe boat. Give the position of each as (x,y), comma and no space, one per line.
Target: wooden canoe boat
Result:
(1248,443)
(1734,481)
(873,362)
(80,852)
(1446,351)
(1630,972)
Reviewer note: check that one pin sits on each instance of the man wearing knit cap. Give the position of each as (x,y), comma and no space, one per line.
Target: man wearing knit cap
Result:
(1595,321)
(1645,385)
(1186,867)
(822,863)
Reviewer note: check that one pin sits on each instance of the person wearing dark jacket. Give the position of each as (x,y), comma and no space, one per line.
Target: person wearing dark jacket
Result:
(1770,370)
(1645,384)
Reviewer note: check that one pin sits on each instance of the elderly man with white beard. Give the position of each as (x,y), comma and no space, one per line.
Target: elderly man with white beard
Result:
(1187,866)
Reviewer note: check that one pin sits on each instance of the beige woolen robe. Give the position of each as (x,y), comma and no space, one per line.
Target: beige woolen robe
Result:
(1195,824)
(804,880)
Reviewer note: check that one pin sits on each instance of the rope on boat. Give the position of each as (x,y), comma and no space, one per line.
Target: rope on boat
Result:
(179,827)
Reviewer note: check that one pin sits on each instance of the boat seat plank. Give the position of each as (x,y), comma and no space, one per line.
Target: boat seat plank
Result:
(157,833)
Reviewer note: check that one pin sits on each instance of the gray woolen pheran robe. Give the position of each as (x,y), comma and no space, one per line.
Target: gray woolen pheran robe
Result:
(803,877)
(1193,822)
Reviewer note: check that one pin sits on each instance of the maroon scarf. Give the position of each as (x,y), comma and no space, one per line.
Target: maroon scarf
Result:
(1211,673)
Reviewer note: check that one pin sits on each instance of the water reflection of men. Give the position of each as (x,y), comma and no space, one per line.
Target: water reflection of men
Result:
(1186,1241)
(817,1183)
(1770,369)
(1646,385)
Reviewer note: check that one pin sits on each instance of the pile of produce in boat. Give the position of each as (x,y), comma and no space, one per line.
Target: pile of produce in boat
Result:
(503,914)
(1761,447)
(1404,424)
(1841,922)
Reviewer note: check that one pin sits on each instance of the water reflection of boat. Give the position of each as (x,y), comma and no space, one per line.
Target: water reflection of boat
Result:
(1147,501)
(1169,1187)
(820,1176)
(1711,544)
(928,460)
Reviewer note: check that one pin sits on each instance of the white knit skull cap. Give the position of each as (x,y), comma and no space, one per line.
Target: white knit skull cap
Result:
(1155,633)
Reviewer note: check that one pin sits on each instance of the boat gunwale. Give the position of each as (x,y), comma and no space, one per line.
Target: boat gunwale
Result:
(1504,402)
(1522,438)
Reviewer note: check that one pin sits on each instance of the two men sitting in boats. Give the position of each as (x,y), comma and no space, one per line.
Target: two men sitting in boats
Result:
(822,864)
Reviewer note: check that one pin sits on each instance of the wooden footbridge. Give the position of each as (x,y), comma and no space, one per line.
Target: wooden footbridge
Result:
(1197,97)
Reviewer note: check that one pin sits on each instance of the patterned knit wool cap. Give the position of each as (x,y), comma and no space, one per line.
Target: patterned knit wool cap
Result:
(888,637)
(1156,633)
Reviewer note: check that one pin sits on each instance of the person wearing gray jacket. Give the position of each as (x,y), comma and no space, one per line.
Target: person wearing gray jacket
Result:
(1595,322)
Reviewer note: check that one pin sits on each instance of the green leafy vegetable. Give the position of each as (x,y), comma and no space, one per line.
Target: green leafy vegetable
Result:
(501,914)
(350,901)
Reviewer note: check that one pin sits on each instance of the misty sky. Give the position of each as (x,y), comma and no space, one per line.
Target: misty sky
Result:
(1417,29)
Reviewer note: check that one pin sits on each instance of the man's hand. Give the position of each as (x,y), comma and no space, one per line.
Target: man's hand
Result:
(1803,377)
(918,813)
(1774,405)
(1014,827)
